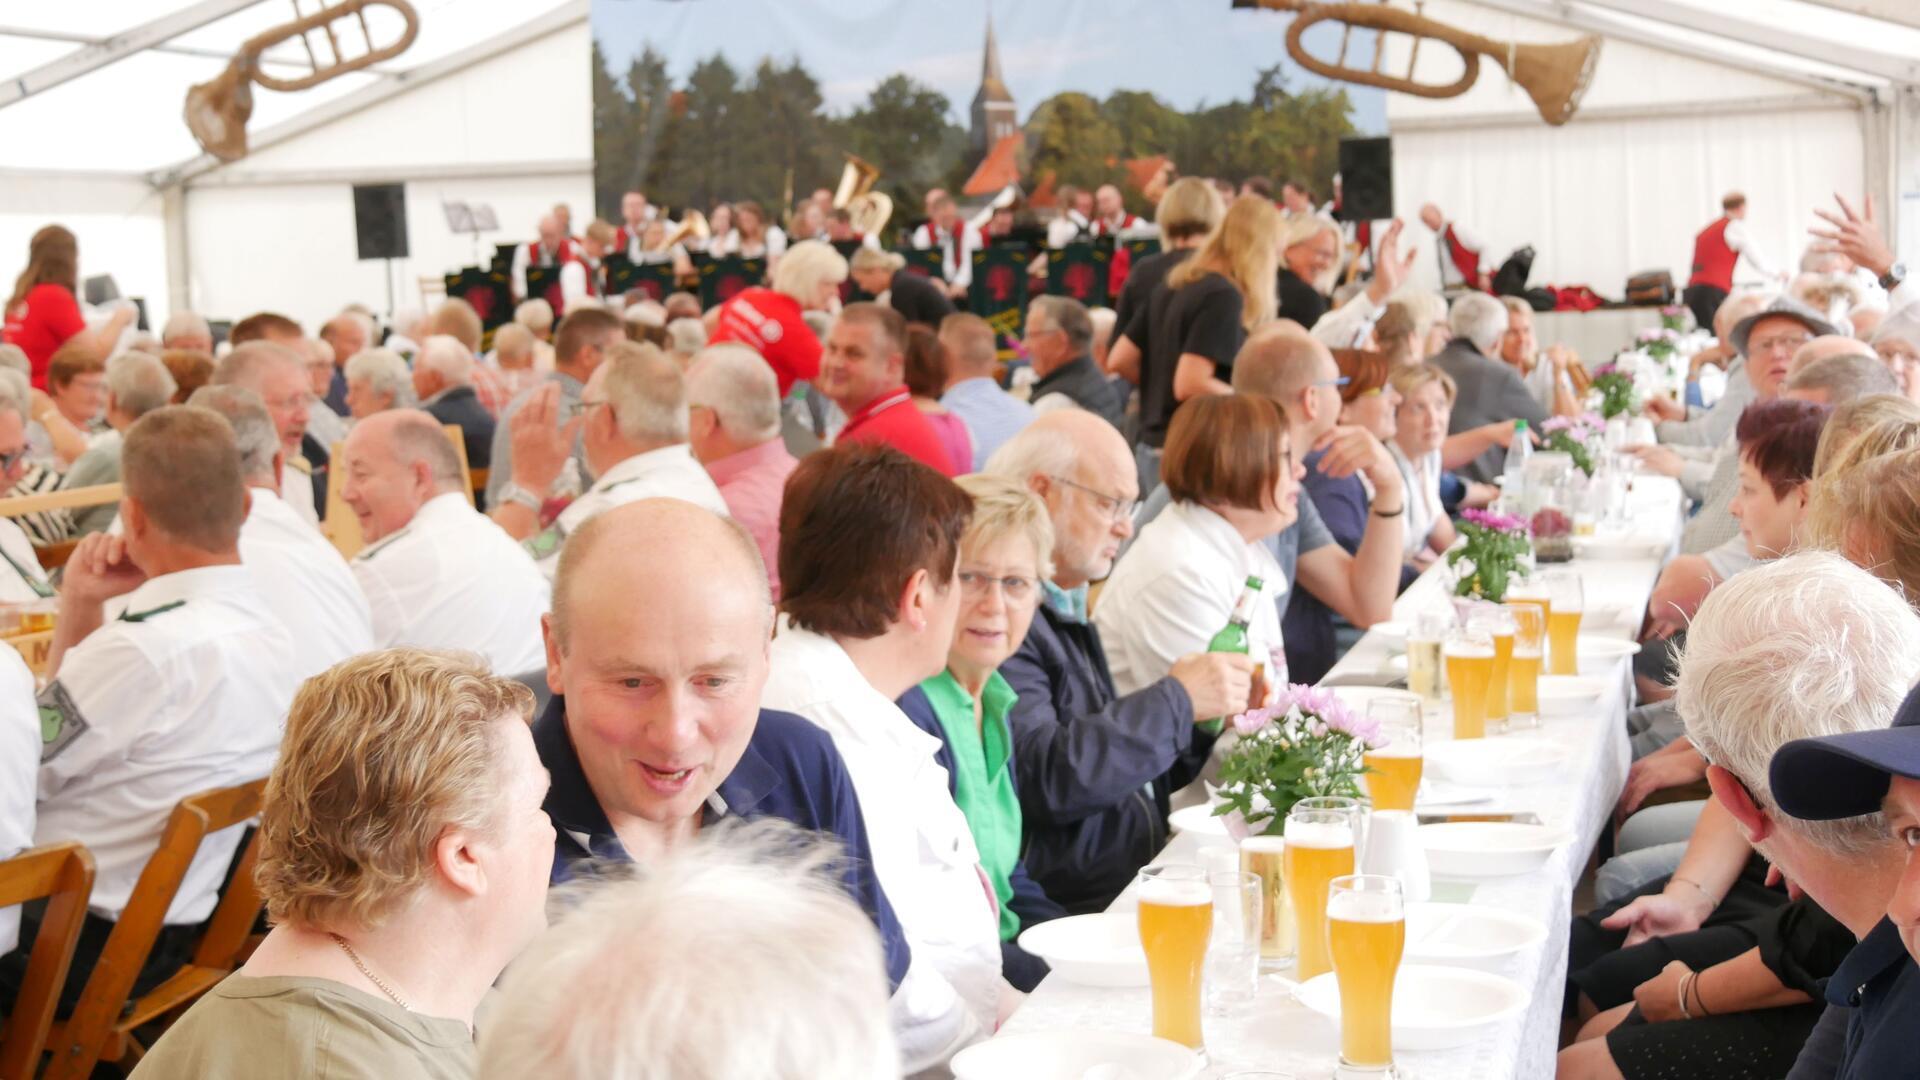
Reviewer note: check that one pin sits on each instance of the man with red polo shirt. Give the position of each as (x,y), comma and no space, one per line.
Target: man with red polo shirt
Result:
(863,371)
(1716,249)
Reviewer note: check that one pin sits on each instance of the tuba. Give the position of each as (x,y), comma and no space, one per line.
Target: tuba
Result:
(693,225)
(217,111)
(1554,76)
(868,209)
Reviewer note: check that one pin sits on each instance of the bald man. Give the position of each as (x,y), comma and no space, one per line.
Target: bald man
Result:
(438,574)
(655,729)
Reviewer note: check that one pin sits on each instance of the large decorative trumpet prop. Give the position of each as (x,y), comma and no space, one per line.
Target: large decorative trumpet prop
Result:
(217,111)
(1553,75)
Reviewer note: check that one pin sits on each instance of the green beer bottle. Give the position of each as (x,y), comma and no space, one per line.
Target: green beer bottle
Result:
(1232,638)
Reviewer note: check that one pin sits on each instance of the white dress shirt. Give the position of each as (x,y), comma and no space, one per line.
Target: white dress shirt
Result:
(1421,477)
(452,579)
(670,472)
(1742,243)
(923,851)
(296,487)
(22,579)
(19,766)
(306,584)
(1175,588)
(186,692)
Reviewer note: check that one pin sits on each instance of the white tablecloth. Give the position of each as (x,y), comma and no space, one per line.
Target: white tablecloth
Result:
(1280,1034)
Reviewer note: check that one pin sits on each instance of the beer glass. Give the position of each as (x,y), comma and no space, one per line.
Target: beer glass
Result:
(1265,858)
(1319,849)
(1233,953)
(1176,921)
(1423,656)
(1568,601)
(1469,655)
(1393,770)
(1523,675)
(1498,623)
(1366,933)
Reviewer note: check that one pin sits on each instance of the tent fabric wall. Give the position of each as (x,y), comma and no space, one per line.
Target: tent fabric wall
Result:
(116,219)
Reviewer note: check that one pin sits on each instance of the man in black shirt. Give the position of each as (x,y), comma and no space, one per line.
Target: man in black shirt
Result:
(917,298)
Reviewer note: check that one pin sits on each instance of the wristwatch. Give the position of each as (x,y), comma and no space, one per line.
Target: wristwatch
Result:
(514,493)
(1895,274)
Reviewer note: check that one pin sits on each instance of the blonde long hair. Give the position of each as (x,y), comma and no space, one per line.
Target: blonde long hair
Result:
(1246,251)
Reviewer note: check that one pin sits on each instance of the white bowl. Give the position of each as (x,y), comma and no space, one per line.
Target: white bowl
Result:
(1102,949)
(1199,820)
(1477,850)
(1434,1008)
(1569,695)
(1498,763)
(1074,1055)
(1468,935)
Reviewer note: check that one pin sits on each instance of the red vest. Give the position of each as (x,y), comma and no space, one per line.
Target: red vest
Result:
(625,242)
(568,253)
(951,244)
(1464,259)
(1127,221)
(1712,259)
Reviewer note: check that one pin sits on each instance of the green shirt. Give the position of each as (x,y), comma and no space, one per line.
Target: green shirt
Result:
(982,783)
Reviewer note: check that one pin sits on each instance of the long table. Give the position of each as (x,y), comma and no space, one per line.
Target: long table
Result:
(1280,1034)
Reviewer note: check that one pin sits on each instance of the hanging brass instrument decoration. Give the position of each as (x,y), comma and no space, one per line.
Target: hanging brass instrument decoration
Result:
(1555,76)
(217,111)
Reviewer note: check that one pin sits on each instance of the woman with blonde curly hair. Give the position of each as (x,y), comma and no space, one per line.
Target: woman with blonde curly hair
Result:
(403,857)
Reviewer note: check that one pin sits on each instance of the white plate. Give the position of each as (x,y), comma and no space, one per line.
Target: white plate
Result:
(1102,949)
(1077,1055)
(1435,796)
(1476,850)
(1468,935)
(1434,1008)
(1496,763)
(1199,820)
(1393,632)
(1596,647)
(1566,695)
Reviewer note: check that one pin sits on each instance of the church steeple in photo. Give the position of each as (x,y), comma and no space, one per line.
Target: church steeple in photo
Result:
(993,108)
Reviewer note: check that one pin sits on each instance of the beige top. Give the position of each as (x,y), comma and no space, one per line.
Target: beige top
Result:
(290,1027)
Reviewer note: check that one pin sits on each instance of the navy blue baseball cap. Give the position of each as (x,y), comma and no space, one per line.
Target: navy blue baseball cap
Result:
(1839,776)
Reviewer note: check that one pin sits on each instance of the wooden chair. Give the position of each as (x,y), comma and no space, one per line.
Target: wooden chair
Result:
(103,1021)
(63,874)
(343,529)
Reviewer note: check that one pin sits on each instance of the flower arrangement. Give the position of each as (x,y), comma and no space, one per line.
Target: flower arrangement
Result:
(1574,436)
(1660,343)
(1495,544)
(1307,743)
(1673,317)
(1616,390)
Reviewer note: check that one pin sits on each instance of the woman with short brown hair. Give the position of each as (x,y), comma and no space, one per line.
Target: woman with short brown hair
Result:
(1231,471)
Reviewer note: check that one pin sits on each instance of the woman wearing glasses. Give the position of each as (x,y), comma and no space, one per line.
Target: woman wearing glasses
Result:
(1004,555)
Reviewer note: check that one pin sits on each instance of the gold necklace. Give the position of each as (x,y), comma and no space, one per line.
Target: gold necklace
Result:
(371,977)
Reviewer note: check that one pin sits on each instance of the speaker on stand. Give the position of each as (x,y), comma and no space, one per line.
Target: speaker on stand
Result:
(380,226)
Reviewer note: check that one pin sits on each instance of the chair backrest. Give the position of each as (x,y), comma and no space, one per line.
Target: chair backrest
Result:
(63,874)
(105,997)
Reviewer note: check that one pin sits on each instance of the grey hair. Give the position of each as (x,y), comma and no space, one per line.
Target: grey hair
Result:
(15,392)
(252,424)
(14,358)
(1845,378)
(1070,317)
(1794,648)
(247,364)
(385,372)
(139,383)
(1480,319)
(647,392)
(535,314)
(805,267)
(185,324)
(746,920)
(512,340)
(420,437)
(686,336)
(444,355)
(739,387)
(1033,453)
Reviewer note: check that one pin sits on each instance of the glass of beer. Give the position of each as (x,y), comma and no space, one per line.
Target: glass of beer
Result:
(1393,770)
(1498,624)
(1523,674)
(1319,849)
(1469,655)
(1568,601)
(1423,656)
(1176,922)
(1366,933)
(1265,858)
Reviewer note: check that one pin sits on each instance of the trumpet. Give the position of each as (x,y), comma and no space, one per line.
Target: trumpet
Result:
(1554,76)
(217,111)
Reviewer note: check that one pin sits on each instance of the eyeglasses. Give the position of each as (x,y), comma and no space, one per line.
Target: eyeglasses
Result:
(1341,381)
(1117,508)
(8,461)
(1784,343)
(974,583)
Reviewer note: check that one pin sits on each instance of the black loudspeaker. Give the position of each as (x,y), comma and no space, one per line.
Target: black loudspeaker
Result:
(1366,179)
(380,220)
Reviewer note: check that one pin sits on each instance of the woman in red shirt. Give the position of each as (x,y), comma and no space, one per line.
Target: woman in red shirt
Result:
(42,314)
(767,319)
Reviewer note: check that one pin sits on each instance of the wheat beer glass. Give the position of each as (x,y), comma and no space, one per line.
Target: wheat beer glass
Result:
(1523,674)
(1568,600)
(1423,656)
(1319,849)
(1496,621)
(1176,921)
(1469,656)
(1393,771)
(1366,933)
(1265,858)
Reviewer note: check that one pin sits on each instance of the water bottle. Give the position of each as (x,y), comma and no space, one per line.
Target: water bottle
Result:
(1513,489)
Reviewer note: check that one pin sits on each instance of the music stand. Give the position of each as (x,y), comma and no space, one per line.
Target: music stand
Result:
(471,221)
